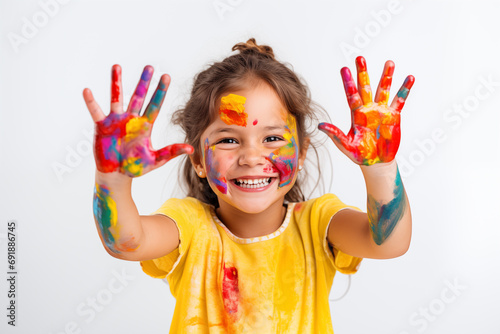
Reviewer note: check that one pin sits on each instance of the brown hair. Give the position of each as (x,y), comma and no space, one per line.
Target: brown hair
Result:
(253,64)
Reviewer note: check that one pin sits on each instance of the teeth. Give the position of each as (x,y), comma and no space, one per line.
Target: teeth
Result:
(253,183)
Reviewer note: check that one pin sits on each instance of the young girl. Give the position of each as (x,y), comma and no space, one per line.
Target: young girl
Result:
(245,252)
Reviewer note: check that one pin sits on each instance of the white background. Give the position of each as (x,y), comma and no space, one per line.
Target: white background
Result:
(452,180)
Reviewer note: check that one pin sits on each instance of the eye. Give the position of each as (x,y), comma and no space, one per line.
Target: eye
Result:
(227,141)
(272,138)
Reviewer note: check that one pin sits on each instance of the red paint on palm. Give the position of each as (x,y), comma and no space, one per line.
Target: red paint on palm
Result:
(375,132)
(123,139)
(107,144)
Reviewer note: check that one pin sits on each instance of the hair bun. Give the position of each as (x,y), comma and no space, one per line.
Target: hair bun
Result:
(252,46)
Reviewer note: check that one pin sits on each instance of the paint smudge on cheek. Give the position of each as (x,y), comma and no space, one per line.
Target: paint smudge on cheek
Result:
(213,174)
(286,158)
(230,290)
(270,169)
(106,215)
(232,110)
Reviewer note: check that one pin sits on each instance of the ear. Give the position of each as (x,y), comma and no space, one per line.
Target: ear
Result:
(197,165)
(303,151)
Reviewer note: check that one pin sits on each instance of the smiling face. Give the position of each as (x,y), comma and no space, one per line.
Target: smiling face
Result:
(251,164)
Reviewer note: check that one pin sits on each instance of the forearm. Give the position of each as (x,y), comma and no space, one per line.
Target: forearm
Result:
(115,213)
(388,208)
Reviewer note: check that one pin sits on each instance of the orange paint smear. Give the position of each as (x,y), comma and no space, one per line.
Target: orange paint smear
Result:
(128,245)
(232,117)
(232,110)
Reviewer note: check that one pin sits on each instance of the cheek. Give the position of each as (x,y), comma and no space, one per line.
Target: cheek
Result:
(270,168)
(286,158)
(217,163)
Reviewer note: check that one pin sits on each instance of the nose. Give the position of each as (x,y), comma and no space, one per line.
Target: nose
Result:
(251,157)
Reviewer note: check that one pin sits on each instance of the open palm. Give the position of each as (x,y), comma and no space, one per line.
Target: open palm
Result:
(123,139)
(375,131)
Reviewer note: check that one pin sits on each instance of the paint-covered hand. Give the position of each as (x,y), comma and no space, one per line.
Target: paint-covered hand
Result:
(375,132)
(123,139)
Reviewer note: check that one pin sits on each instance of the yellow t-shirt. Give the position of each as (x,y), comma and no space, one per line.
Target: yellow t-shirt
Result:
(278,283)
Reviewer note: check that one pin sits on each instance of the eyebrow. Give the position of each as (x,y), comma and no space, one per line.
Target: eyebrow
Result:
(274,127)
(221,130)
(230,130)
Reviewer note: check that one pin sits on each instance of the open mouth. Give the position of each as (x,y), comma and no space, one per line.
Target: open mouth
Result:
(253,183)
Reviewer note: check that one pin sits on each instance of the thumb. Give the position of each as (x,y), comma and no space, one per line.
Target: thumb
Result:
(339,139)
(169,152)
(335,134)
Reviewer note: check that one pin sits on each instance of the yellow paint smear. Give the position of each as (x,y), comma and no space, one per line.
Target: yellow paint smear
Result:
(232,110)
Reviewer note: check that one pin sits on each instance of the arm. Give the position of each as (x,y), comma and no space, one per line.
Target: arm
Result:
(123,232)
(385,230)
(122,150)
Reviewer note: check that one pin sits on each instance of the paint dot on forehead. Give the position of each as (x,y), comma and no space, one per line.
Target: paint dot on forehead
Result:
(232,110)
(255,122)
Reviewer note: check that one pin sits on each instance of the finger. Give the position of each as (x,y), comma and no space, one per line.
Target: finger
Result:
(351,92)
(364,87)
(169,152)
(156,101)
(399,100)
(94,109)
(384,86)
(137,99)
(335,134)
(116,90)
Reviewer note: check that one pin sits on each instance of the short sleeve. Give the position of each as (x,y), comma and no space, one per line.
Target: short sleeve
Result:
(326,207)
(180,211)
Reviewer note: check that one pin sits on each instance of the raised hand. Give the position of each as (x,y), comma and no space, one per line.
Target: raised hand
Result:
(123,139)
(375,131)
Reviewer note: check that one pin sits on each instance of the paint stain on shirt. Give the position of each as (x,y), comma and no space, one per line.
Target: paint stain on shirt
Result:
(230,290)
